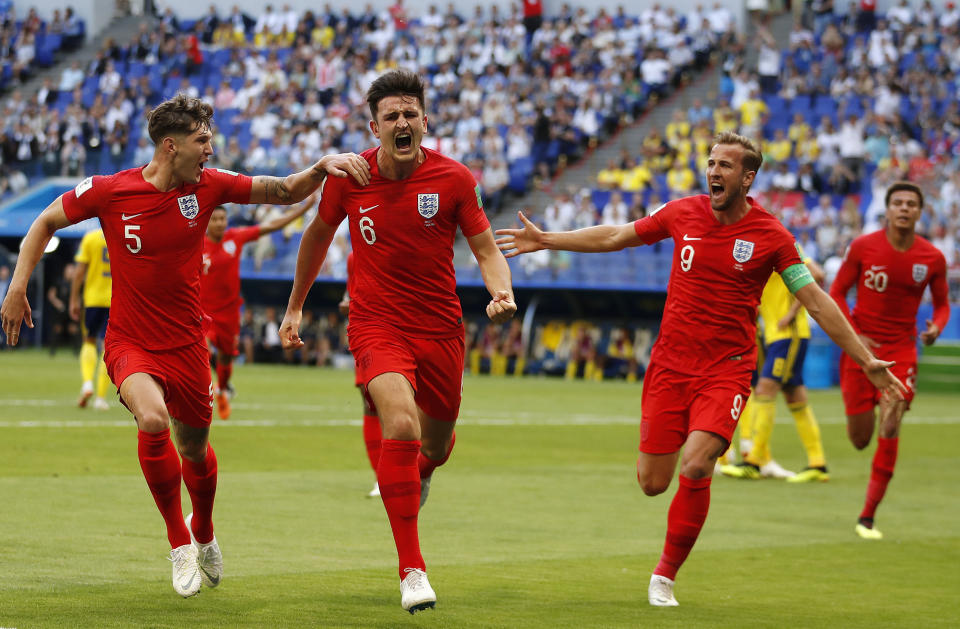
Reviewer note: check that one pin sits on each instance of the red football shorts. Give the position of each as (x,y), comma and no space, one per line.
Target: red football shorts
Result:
(433,367)
(675,404)
(224,335)
(859,394)
(183,374)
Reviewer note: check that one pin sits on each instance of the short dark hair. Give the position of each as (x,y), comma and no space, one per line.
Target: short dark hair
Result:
(752,157)
(180,115)
(395,83)
(903,185)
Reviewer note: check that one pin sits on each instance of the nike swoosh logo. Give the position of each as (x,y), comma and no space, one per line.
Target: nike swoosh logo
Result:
(125,217)
(215,580)
(685,237)
(365,210)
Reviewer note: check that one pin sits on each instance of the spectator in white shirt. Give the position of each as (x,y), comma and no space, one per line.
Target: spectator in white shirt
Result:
(950,17)
(785,180)
(900,16)
(615,211)
(655,71)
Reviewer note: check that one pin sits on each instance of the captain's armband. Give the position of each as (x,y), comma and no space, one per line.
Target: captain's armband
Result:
(796,277)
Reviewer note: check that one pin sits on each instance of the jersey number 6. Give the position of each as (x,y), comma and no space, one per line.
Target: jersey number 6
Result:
(366,230)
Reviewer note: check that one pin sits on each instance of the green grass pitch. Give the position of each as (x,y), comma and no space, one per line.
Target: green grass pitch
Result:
(536,521)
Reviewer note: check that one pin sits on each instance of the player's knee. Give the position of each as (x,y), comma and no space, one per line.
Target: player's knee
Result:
(193,451)
(436,450)
(652,487)
(697,469)
(153,421)
(859,441)
(652,484)
(402,426)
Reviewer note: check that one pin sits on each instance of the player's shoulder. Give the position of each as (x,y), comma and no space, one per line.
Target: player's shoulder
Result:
(215,174)
(760,219)
(438,160)
(927,249)
(762,214)
(697,204)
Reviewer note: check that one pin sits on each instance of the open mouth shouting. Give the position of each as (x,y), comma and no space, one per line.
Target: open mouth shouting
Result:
(403,141)
(716,190)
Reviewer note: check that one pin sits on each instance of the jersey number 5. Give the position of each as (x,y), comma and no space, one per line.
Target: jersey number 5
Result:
(875,280)
(130,233)
(366,230)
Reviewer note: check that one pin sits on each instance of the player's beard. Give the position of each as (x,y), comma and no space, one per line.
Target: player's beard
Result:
(724,202)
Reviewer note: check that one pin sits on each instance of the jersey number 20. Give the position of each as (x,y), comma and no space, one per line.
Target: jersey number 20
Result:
(875,280)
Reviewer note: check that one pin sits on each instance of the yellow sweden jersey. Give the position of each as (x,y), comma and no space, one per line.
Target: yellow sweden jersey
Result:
(97,284)
(775,302)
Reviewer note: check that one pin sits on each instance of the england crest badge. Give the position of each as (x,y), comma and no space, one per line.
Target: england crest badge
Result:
(428,204)
(919,272)
(742,250)
(189,206)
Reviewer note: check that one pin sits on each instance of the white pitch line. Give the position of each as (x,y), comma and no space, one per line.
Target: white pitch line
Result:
(577,420)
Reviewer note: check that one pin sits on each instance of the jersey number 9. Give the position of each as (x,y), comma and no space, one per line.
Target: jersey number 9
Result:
(686,257)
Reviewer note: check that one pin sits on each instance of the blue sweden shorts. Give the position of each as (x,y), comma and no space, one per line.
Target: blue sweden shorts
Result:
(95,322)
(783,361)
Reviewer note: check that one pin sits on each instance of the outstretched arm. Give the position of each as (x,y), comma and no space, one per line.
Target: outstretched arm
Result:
(941,309)
(595,239)
(75,284)
(279,222)
(496,276)
(826,313)
(313,249)
(298,186)
(16,307)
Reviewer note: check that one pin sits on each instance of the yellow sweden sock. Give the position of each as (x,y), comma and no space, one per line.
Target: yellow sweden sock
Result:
(103,380)
(88,361)
(764,412)
(746,419)
(809,431)
(519,366)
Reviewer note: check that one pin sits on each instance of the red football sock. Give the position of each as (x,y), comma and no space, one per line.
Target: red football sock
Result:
(687,513)
(884,461)
(427,465)
(201,481)
(372,437)
(161,469)
(224,370)
(400,492)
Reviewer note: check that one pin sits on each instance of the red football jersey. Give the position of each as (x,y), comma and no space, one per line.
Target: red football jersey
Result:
(402,234)
(350,274)
(155,242)
(220,279)
(890,285)
(719,271)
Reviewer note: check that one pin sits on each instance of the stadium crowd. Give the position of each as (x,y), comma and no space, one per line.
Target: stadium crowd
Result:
(853,103)
(842,113)
(510,99)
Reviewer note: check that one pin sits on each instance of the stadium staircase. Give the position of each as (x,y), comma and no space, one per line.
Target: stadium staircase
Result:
(583,173)
(120,30)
